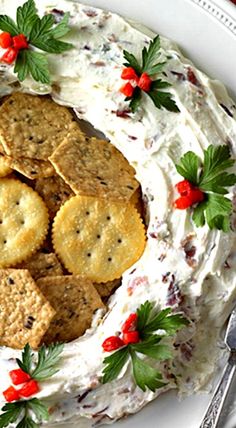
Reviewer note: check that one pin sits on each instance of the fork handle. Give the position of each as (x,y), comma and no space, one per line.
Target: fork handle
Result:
(213,413)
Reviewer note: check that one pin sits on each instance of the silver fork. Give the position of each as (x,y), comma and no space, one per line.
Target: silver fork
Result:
(215,408)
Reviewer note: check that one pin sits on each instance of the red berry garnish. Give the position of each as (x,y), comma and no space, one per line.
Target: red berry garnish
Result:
(184,187)
(183,202)
(18,376)
(145,82)
(127,90)
(130,324)
(196,195)
(20,42)
(131,337)
(30,388)
(11,394)
(129,73)
(112,343)
(9,56)
(5,40)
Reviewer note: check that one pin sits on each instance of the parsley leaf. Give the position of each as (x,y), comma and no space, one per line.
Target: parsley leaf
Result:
(150,55)
(11,412)
(32,63)
(48,358)
(37,66)
(21,65)
(144,313)
(218,209)
(213,180)
(152,348)
(199,214)
(189,166)
(26,362)
(163,99)
(51,45)
(62,28)
(216,160)
(26,16)
(7,24)
(132,62)
(45,367)
(150,345)
(27,422)
(39,409)
(41,27)
(135,100)
(114,364)
(145,376)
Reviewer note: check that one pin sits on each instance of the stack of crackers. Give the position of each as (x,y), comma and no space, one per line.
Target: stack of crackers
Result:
(69,224)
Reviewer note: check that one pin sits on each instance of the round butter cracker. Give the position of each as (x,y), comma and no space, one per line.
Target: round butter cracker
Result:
(23,222)
(98,239)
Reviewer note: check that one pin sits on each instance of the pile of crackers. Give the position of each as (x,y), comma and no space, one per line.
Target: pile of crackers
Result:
(69,222)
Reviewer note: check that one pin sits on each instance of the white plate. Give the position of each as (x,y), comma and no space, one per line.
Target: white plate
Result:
(206,32)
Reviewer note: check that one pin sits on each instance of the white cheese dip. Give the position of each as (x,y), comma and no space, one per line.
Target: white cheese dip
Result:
(190,269)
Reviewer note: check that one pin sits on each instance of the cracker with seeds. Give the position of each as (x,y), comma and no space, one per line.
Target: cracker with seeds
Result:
(41,265)
(33,126)
(98,239)
(30,168)
(106,289)
(75,300)
(54,191)
(94,167)
(4,168)
(25,313)
(23,221)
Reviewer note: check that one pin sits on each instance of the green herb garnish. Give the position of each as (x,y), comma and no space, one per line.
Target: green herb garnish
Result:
(212,178)
(27,411)
(41,33)
(149,65)
(150,345)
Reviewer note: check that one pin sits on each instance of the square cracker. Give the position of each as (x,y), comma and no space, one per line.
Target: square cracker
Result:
(30,168)
(105,289)
(33,126)
(25,313)
(94,167)
(54,192)
(41,265)
(75,300)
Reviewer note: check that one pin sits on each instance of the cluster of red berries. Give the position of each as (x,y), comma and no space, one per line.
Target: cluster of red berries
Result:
(129,335)
(12,46)
(19,377)
(189,195)
(144,82)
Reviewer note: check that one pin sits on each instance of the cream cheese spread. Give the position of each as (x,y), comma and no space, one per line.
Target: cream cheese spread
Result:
(190,269)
